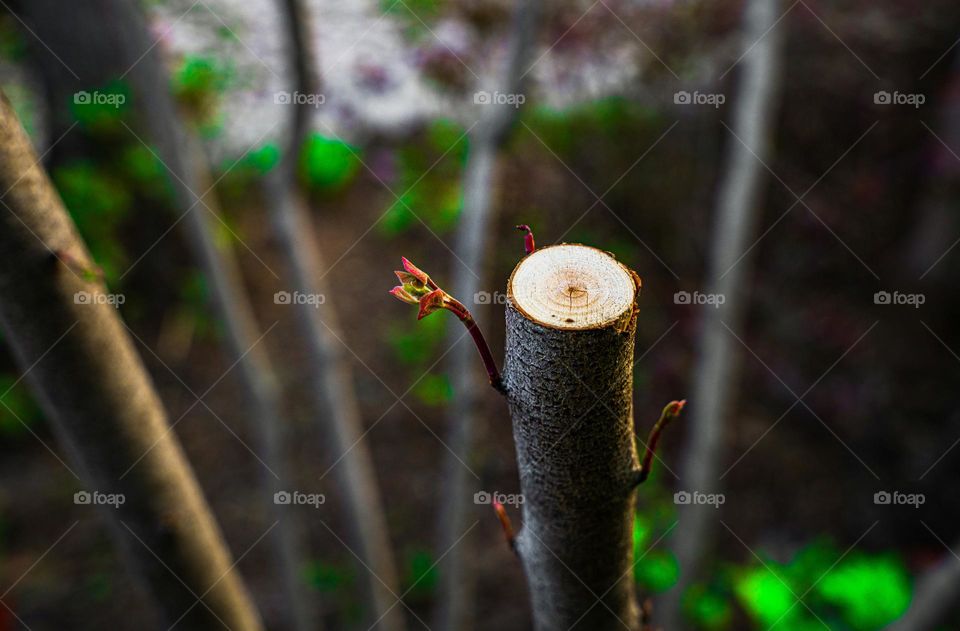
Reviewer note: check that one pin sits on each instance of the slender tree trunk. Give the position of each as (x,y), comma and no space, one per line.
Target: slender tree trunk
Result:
(123,45)
(571,322)
(717,366)
(94,389)
(478,215)
(334,400)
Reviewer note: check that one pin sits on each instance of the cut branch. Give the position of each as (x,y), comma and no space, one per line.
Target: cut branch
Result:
(571,321)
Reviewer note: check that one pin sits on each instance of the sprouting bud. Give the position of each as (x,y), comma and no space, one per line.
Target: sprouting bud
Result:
(674,408)
(431,302)
(404,295)
(415,271)
(528,244)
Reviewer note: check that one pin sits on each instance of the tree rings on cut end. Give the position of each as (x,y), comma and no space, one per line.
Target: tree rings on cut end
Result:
(572,287)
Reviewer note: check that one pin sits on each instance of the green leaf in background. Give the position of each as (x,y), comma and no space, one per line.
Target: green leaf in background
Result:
(198,83)
(262,160)
(657,570)
(421,578)
(708,609)
(766,597)
(200,76)
(430,170)
(328,164)
(414,342)
(98,202)
(100,110)
(142,166)
(434,389)
(327,578)
(870,591)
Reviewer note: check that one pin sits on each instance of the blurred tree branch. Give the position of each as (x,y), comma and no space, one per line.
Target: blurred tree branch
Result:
(102,405)
(334,401)
(117,45)
(737,214)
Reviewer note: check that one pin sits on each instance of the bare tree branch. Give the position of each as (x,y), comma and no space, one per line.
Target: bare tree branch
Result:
(118,45)
(334,400)
(738,211)
(102,405)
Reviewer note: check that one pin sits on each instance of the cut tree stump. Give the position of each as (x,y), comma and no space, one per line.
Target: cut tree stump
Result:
(571,320)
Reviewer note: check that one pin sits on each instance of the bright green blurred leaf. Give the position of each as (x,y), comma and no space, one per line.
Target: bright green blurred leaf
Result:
(328,164)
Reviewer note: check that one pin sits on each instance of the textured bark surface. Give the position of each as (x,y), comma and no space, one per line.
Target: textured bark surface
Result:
(570,397)
(103,408)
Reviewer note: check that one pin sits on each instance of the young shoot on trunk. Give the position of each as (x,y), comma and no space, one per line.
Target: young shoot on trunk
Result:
(571,317)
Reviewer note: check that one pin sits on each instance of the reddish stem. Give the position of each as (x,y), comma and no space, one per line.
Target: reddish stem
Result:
(466,317)
(670,412)
(508,533)
(528,244)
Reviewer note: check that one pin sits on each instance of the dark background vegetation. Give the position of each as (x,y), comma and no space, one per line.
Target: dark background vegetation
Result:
(883,408)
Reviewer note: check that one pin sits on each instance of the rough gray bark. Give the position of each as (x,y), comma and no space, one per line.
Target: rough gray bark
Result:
(717,365)
(570,397)
(334,400)
(102,405)
(123,45)
(472,238)
(934,595)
